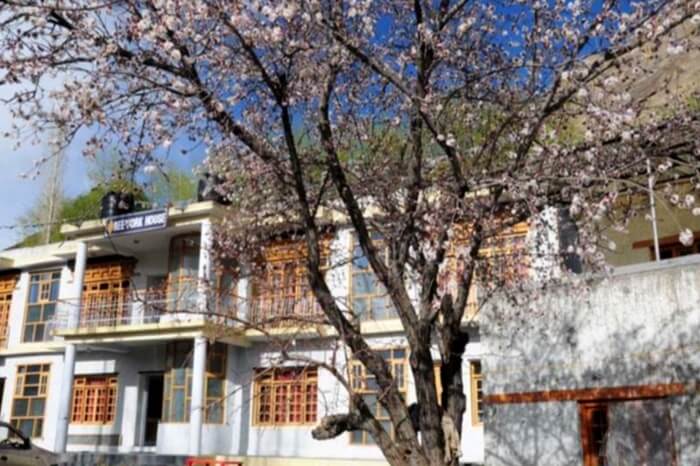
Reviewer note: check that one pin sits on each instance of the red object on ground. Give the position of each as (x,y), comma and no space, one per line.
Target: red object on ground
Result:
(211,462)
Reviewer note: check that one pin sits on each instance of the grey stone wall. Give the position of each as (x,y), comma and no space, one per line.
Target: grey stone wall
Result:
(639,326)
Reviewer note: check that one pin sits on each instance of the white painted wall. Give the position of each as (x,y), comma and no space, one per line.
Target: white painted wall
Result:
(128,363)
(9,372)
(290,441)
(640,326)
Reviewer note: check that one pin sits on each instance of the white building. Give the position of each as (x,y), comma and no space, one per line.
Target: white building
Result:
(106,349)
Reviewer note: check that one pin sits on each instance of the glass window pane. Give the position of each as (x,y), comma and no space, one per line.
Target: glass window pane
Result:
(27,426)
(31,391)
(359,307)
(54,291)
(179,405)
(380,308)
(37,407)
(371,401)
(34,313)
(359,260)
(179,376)
(356,436)
(215,388)
(20,407)
(362,283)
(49,310)
(215,413)
(34,292)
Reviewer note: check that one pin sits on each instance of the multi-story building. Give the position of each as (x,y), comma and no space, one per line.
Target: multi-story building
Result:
(124,339)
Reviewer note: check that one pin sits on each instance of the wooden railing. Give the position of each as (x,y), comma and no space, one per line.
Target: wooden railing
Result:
(279,311)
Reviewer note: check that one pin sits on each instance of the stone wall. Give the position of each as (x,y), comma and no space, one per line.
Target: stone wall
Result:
(640,326)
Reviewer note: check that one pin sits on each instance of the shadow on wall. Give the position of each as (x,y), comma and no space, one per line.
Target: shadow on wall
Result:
(548,373)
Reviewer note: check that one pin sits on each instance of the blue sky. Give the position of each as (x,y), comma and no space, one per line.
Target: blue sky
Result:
(19,194)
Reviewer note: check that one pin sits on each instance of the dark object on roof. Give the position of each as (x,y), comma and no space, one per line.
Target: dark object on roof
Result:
(207,189)
(116,203)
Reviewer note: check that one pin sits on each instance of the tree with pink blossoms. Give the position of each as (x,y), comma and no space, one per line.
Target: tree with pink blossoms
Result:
(429,128)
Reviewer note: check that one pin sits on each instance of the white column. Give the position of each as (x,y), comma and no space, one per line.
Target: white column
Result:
(78,277)
(73,318)
(65,400)
(199,362)
(204,272)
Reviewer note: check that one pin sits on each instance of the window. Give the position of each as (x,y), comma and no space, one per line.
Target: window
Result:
(7,286)
(280,289)
(669,247)
(43,294)
(183,271)
(369,299)
(594,428)
(29,402)
(105,298)
(94,399)
(285,396)
(225,292)
(672,250)
(477,394)
(364,383)
(503,260)
(177,388)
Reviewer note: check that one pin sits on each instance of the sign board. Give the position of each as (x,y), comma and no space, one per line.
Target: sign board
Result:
(136,223)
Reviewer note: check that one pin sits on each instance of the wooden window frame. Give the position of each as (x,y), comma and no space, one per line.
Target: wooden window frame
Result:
(358,382)
(279,290)
(7,288)
(94,399)
(586,413)
(42,372)
(45,317)
(437,368)
(225,297)
(675,249)
(217,350)
(476,393)
(106,294)
(668,242)
(282,382)
(511,239)
(377,292)
(177,283)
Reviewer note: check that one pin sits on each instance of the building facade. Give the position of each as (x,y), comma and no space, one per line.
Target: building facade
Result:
(123,339)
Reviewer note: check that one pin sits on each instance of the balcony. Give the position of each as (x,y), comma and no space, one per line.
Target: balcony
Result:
(124,310)
(274,310)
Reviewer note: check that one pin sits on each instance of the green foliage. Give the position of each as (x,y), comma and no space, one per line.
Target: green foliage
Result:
(78,209)
(172,185)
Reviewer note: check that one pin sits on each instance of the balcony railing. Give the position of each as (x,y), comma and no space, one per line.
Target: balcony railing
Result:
(112,308)
(276,311)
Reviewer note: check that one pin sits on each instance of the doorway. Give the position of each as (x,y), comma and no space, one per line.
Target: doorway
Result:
(153,407)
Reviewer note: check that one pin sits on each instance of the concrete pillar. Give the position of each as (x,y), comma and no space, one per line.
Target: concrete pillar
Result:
(73,318)
(78,278)
(204,273)
(65,400)
(199,363)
